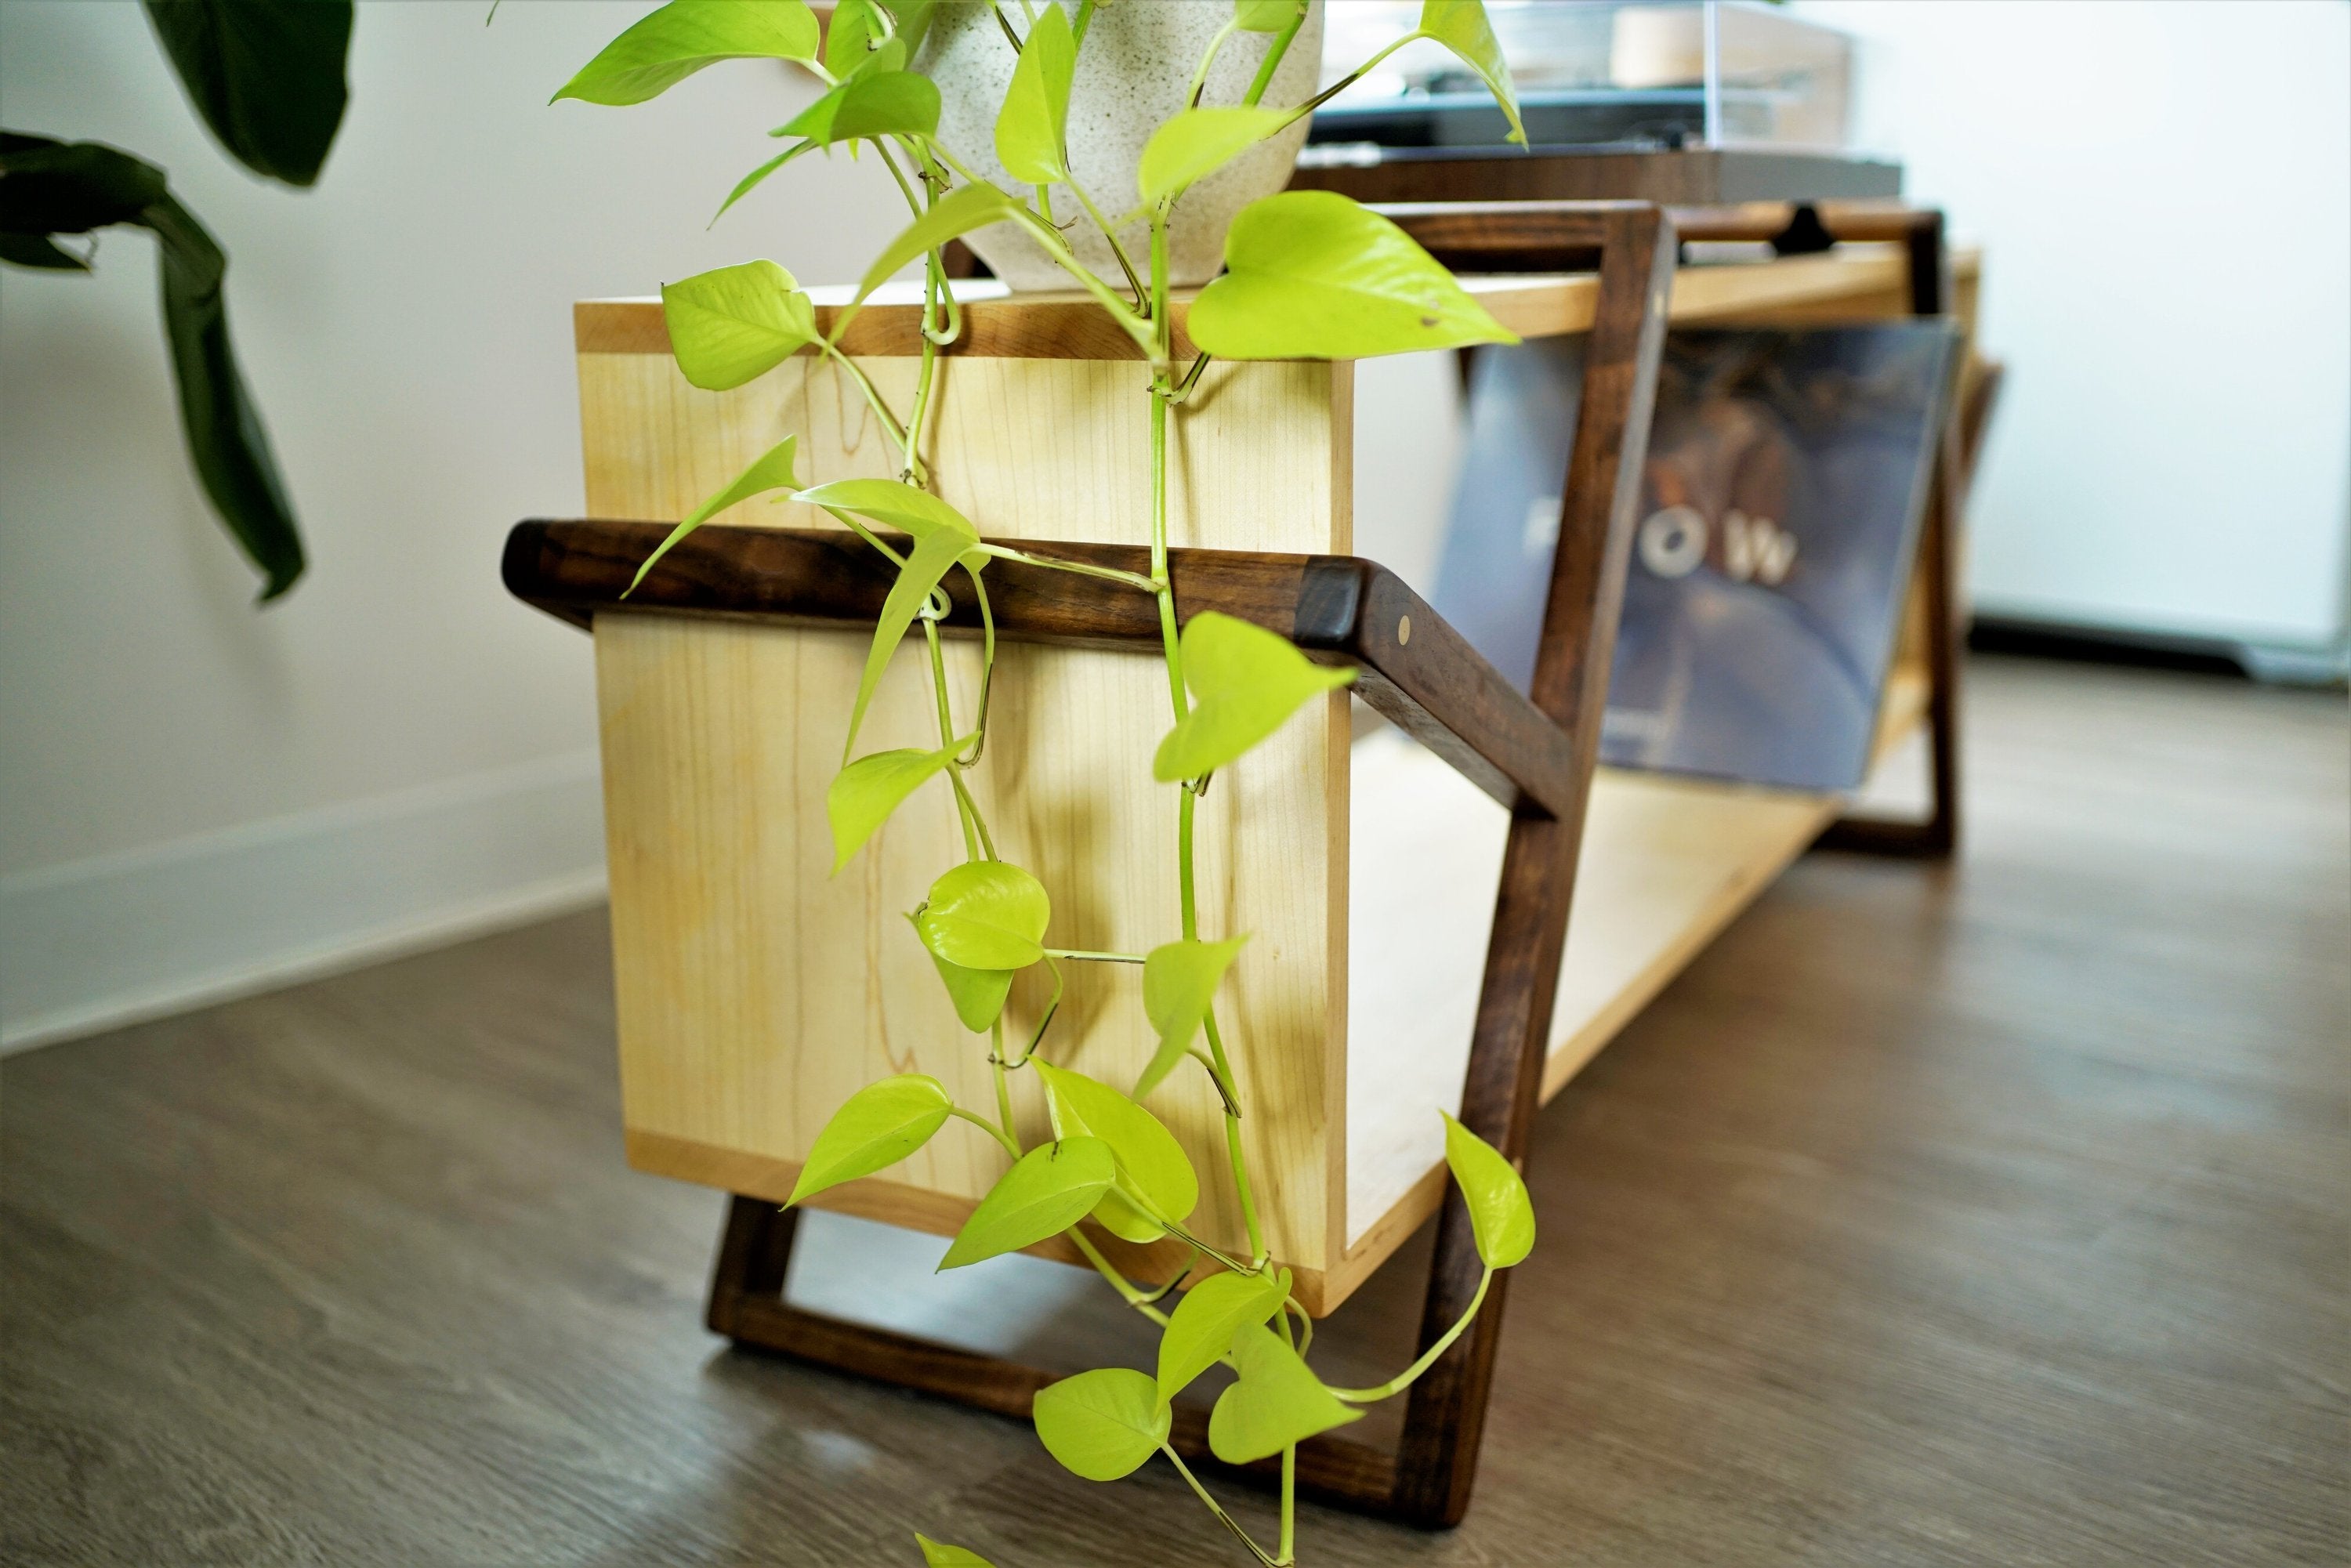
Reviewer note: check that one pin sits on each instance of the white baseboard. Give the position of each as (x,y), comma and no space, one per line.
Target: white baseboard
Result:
(98,943)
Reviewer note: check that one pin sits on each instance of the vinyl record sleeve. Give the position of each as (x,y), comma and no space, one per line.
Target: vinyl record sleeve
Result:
(1787,473)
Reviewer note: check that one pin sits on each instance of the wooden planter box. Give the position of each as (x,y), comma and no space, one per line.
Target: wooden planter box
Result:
(756,993)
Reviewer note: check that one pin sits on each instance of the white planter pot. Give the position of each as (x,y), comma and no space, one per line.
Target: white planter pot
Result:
(1136,62)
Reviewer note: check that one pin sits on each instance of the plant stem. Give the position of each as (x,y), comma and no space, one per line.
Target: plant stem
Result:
(965,810)
(1272,62)
(1003,1082)
(1054,563)
(1403,1380)
(1200,76)
(1288,1551)
(1125,264)
(1222,1516)
(1085,19)
(1139,1301)
(897,432)
(990,1128)
(986,668)
(1051,1007)
(1094,957)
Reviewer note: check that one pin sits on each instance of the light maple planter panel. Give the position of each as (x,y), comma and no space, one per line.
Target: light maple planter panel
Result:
(755,992)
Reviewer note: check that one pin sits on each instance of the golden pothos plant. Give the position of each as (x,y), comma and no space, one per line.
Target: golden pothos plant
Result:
(1307,275)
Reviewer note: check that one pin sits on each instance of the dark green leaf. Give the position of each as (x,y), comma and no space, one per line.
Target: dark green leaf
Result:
(40,251)
(1201,1329)
(731,324)
(862,795)
(69,187)
(1278,1401)
(1196,142)
(1502,1217)
(684,36)
(1247,682)
(1312,275)
(1103,1425)
(1034,120)
(1461,26)
(1155,1176)
(771,471)
(1179,981)
(1047,1189)
(932,558)
(267,75)
(986,915)
(939,1554)
(876,1127)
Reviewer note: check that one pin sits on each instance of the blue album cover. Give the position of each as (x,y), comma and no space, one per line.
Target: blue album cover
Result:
(1780,505)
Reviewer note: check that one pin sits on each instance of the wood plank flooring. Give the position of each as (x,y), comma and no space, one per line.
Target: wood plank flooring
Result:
(1994,1214)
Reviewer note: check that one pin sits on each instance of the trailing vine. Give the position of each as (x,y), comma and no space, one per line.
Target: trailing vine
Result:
(1308,274)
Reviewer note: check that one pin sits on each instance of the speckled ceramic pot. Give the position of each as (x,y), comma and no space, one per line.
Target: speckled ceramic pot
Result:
(1136,62)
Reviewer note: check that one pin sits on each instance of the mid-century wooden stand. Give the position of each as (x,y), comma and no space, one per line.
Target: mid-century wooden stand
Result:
(711,652)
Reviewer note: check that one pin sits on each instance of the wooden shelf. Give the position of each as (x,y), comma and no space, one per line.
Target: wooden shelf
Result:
(1668,863)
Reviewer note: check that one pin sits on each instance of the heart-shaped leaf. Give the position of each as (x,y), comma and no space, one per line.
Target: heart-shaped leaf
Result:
(1102,1425)
(849,38)
(978,995)
(1277,1401)
(1245,682)
(1201,1329)
(1179,982)
(737,322)
(1462,26)
(751,181)
(871,103)
(1047,1189)
(931,559)
(1152,1165)
(1502,1217)
(1198,142)
(914,512)
(986,915)
(960,210)
(771,471)
(1265,16)
(879,1126)
(939,1554)
(1035,118)
(862,795)
(684,36)
(1312,275)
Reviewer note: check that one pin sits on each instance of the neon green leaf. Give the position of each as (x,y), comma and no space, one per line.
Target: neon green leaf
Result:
(1035,118)
(737,322)
(1103,1425)
(684,36)
(1461,26)
(930,560)
(1245,683)
(1201,1329)
(1278,1401)
(879,1126)
(1312,275)
(874,103)
(1047,1189)
(772,472)
(1265,16)
(894,505)
(960,210)
(1198,142)
(862,795)
(1502,1217)
(1152,1165)
(1179,981)
(978,995)
(752,180)
(848,41)
(939,1554)
(986,915)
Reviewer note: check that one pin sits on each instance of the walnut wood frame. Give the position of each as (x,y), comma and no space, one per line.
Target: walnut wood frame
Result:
(1534,754)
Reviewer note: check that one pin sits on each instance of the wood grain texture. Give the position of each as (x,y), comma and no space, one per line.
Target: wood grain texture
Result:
(756,993)
(1968,1217)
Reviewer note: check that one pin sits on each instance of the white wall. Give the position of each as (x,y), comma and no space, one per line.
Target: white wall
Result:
(2164,188)
(197,796)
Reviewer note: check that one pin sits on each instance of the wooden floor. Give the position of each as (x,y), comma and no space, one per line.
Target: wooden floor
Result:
(1990,1214)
